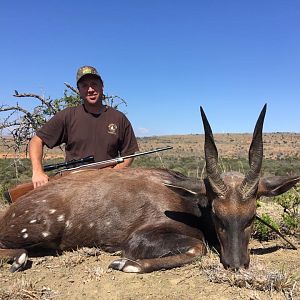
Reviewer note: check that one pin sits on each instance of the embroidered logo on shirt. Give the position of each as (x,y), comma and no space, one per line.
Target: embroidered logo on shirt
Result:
(112,128)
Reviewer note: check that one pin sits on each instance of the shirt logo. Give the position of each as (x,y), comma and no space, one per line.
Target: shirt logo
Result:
(112,128)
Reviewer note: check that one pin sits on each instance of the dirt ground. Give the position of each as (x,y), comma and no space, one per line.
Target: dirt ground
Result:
(84,274)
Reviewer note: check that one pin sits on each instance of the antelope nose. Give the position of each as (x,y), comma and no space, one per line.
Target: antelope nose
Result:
(233,266)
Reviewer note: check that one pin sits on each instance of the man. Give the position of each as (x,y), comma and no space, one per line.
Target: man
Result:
(88,129)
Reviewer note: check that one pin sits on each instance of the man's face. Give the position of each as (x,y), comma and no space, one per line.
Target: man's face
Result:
(90,89)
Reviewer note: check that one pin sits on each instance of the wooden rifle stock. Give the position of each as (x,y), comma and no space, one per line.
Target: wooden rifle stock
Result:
(18,191)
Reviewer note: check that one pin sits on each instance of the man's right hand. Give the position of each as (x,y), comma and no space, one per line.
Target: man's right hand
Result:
(39,179)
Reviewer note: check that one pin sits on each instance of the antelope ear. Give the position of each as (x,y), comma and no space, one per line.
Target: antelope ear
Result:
(276,185)
(186,192)
(180,190)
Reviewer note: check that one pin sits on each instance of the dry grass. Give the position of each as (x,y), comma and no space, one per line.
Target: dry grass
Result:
(88,267)
(22,289)
(257,277)
(74,258)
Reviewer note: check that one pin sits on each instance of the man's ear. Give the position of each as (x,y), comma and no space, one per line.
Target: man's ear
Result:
(276,185)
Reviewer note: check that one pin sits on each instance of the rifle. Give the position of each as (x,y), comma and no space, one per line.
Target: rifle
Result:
(70,167)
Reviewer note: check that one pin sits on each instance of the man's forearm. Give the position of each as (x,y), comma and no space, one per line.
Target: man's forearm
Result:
(36,154)
(39,177)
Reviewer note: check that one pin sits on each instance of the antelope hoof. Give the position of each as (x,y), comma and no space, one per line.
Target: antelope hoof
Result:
(126,265)
(19,263)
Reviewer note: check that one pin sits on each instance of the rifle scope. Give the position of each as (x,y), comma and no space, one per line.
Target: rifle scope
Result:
(70,163)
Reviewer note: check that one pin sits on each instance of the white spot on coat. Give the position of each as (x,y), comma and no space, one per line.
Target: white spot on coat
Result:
(26,211)
(68,224)
(91,225)
(23,230)
(45,233)
(61,218)
(32,221)
(13,215)
(25,235)
(52,211)
(191,251)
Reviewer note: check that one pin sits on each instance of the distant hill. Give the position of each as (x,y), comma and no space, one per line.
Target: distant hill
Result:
(276,145)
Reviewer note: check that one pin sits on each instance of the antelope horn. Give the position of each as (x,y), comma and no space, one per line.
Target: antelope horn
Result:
(249,185)
(211,159)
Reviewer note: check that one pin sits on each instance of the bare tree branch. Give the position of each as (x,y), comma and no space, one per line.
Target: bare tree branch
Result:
(109,100)
(45,102)
(75,90)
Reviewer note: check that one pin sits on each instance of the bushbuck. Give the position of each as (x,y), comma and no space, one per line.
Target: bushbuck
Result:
(159,219)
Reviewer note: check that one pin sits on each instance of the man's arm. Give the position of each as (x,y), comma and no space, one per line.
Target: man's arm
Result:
(126,163)
(39,177)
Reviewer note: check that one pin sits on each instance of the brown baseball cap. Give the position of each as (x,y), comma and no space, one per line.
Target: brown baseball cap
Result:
(86,70)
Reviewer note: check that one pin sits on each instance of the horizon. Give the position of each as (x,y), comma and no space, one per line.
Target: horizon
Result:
(200,134)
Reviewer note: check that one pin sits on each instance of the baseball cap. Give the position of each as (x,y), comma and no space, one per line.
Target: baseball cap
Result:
(85,70)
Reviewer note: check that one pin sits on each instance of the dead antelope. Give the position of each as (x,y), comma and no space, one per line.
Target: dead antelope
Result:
(159,219)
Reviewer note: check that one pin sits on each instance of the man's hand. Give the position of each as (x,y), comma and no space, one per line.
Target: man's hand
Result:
(126,163)
(39,179)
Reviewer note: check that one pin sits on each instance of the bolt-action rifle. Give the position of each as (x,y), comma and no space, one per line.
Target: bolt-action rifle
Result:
(73,166)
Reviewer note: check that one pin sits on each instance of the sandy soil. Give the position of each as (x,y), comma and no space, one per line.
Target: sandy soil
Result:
(83,274)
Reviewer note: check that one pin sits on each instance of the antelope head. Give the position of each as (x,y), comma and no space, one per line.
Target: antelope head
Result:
(233,196)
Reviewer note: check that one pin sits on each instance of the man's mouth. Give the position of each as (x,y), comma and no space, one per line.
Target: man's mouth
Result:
(92,97)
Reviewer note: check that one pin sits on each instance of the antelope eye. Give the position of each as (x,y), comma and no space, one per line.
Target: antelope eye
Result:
(219,222)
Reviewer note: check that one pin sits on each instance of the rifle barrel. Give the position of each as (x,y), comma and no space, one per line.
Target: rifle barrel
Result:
(117,160)
(148,152)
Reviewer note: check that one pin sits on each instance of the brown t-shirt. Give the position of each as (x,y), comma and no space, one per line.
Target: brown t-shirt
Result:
(104,136)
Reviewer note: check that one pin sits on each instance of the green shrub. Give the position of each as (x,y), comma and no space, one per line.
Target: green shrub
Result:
(261,231)
(290,202)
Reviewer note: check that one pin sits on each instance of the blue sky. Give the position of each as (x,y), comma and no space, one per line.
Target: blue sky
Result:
(165,57)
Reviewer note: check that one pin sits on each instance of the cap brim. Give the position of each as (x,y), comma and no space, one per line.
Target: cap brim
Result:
(91,74)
